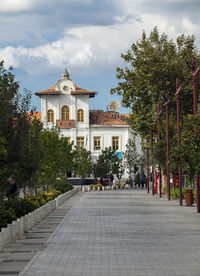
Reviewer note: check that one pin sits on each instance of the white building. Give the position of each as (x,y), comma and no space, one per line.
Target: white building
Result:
(67,106)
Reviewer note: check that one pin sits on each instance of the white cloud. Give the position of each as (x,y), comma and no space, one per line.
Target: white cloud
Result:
(15,5)
(92,48)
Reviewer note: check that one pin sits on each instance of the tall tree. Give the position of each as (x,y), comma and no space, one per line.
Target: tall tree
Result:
(108,163)
(82,163)
(49,163)
(14,123)
(131,158)
(153,64)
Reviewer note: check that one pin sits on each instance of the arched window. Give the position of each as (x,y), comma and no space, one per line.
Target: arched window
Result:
(65,113)
(50,116)
(80,115)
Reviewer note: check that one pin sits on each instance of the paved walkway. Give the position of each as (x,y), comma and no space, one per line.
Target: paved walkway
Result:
(114,233)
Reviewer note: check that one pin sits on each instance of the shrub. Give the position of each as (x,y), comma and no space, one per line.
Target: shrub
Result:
(92,186)
(15,208)
(6,215)
(41,198)
(119,185)
(100,186)
(195,195)
(174,193)
(62,185)
(96,187)
(19,206)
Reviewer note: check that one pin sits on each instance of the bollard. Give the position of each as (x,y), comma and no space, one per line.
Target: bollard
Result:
(31,220)
(102,188)
(2,243)
(13,231)
(83,190)
(98,188)
(5,232)
(57,202)
(18,229)
(26,223)
(88,189)
(21,226)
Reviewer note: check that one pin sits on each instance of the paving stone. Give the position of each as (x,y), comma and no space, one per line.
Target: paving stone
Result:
(122,233)
(116,233)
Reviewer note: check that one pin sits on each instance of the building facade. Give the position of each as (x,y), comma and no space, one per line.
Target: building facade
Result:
(66,106)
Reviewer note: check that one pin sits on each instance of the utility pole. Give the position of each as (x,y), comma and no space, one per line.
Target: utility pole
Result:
(177,94)
(168,151)
(160,180)
(195,73)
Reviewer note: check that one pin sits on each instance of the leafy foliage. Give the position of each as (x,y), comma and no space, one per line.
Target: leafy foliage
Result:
(20,206)
(62,185)
(82,163)
(7,216)
(108,163)
(131,157)
(153,64)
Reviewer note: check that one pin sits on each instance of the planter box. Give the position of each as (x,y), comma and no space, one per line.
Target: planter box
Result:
(16,229)
(189,197)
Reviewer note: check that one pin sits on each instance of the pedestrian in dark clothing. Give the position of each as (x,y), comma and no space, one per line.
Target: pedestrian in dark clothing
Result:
(12,188)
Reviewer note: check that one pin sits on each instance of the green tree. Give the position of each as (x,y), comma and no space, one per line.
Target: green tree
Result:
(131,158)
(82,163)
(66,156)
(108,163)
(153,64)
(14,124)
(49,163)
(30,158)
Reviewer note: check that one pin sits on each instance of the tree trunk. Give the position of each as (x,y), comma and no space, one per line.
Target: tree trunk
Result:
(164,180)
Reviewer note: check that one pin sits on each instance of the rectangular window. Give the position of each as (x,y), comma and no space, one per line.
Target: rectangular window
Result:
(80,142)
(115,142)
(97,142)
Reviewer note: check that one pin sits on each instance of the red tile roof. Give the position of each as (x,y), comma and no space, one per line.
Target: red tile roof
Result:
(33,115)
(77,91)
(50,91)
(98,117)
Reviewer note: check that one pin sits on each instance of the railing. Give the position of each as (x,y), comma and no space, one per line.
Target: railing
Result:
(65,123)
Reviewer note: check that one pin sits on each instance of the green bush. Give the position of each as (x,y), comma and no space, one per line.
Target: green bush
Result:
(92,186)
(15,208)
(195,195)
(19,206)
(99,186)
(174,192)
(41,198)
(6,216)
(62,185)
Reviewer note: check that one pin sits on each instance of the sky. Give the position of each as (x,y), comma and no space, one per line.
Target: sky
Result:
(41,38)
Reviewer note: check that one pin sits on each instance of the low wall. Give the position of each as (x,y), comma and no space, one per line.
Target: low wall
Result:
(22,225)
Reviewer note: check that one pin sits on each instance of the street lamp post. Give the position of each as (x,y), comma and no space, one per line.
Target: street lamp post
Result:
(195,73)
(160,181)
(147,170)
(152,167)
(167,137)
(177,94)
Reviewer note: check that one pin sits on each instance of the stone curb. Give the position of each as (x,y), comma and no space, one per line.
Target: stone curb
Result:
(16,229)
(105,188)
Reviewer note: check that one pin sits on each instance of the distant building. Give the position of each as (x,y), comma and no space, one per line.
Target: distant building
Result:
(66,106)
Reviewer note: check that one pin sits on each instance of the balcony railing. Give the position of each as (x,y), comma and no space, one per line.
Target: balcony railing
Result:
(65,123)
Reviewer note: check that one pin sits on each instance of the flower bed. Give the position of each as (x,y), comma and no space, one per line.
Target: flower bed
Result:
(17,228)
